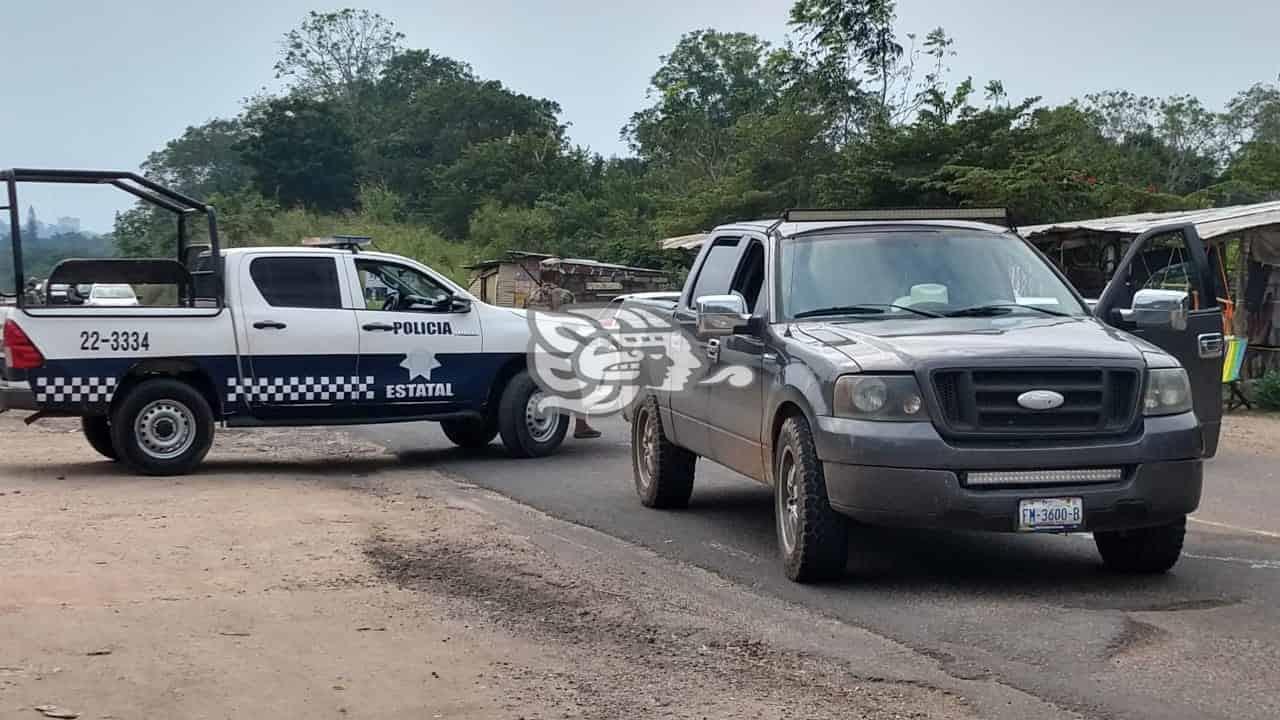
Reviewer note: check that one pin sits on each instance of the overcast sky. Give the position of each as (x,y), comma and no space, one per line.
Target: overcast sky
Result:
(97,84)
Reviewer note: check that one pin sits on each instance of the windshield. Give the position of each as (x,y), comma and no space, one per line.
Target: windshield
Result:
(113,292)
(917,273)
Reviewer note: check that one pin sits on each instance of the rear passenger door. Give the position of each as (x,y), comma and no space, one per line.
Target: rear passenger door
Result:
(302,347)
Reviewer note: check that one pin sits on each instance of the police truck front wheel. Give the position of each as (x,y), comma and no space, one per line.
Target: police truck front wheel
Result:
(471,433)
(527,430)
(162,427)
(97,430)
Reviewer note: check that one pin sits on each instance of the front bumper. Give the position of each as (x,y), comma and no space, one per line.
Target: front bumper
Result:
(16,395)
(905,474)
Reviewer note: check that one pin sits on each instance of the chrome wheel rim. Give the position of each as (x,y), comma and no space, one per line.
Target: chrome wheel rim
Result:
(541,424)
(788,501)
(165,429)
(647,449)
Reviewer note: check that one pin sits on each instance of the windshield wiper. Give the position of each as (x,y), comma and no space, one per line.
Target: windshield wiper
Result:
(1002,309)
(864,309)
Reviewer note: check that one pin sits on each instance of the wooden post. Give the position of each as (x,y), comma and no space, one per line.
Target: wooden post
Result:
(1240,327)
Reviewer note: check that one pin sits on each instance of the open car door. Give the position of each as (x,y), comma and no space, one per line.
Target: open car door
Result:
(1164,291)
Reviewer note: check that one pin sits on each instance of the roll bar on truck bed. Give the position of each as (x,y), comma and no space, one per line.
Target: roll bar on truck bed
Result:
(151,192)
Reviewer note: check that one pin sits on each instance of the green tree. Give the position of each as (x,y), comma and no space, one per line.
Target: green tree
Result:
(301,153)
(708,82)
(31,231)
(337,56)
(428,111)
(203,160)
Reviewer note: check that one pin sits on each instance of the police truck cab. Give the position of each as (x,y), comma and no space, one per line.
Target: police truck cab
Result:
(325,334)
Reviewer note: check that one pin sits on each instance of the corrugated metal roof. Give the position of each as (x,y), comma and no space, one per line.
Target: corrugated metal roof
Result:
(684,242)
(581,262)
(1211,223)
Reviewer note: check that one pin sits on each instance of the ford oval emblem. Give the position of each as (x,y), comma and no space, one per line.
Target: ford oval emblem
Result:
(1041,400)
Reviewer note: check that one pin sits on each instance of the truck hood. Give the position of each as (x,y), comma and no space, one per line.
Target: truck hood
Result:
(901,345)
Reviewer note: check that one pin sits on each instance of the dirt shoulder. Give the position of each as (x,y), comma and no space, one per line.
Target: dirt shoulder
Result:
(303,574)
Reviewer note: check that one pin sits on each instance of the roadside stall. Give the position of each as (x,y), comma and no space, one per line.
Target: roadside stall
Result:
(523,279)
(1244,248)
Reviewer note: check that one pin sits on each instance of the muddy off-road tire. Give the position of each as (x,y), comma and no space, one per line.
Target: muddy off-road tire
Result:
(162,427)
(470,434)
(1146,551)
(812,537)
(663,471)
(97,430)
(526,432)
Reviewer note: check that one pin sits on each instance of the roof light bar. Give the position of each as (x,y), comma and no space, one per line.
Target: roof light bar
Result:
(342,242)
(999,216)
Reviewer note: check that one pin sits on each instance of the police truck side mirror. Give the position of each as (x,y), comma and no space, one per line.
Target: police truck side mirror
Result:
(719,315)
(459,304)
(1159,309)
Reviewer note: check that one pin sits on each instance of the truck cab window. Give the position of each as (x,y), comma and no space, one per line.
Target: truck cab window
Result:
(750,275)
(302,282)
(391,286)
(717,270)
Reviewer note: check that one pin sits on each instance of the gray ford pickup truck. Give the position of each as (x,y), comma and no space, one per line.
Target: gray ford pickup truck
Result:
(920,372)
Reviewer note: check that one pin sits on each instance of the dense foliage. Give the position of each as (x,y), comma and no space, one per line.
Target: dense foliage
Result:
(440,163)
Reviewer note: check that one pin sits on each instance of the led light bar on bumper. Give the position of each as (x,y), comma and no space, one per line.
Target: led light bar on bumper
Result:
(1087,476)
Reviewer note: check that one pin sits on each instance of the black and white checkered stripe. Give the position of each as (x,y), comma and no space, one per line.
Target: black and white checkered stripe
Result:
(299,389)
(64,389)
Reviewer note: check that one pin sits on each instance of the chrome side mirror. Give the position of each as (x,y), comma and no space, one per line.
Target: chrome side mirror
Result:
(1159,309)
(720,315)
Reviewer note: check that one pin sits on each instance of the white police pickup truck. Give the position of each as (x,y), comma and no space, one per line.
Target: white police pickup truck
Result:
(286,336)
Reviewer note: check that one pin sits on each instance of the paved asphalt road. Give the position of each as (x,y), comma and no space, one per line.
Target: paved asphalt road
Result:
(1034,612)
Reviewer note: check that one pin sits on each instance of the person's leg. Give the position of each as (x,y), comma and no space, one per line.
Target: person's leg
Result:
(582,430)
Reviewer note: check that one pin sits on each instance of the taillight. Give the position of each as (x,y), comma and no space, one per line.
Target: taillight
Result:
(19,352)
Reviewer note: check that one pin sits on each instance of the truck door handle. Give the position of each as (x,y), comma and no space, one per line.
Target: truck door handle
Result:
(269,325)
(377,327)
(1211,345)
(713,350)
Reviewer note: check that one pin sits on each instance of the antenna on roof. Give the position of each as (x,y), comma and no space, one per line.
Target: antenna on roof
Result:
(339,242)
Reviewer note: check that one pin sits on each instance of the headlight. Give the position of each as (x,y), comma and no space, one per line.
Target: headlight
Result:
(879,397)
(1168,392)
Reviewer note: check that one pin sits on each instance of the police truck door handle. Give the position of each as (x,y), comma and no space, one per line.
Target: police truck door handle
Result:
(378,327)
(269,325)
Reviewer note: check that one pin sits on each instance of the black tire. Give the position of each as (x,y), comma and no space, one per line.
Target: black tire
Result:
(1145,551)
(662,471)
(470,434)
(812,537)
(177,430)
(97,430)
(521,431)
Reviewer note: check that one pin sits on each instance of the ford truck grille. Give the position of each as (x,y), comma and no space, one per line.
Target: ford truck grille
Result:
(983,402)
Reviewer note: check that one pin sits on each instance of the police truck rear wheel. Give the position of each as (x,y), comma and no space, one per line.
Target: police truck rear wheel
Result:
(470,434)
(527,430)
(162,427)
(97,430)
